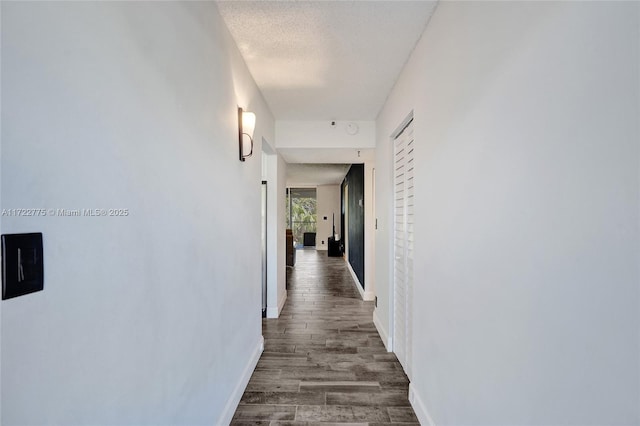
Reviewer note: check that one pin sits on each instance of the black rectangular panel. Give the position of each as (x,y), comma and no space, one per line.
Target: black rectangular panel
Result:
(22,264)
(355,180)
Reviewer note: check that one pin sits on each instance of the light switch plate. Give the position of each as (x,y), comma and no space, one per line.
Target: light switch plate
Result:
(22,264)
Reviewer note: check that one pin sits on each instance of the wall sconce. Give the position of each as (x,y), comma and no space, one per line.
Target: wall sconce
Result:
(246,126)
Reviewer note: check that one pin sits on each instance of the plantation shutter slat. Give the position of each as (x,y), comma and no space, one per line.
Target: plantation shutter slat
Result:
(403,245)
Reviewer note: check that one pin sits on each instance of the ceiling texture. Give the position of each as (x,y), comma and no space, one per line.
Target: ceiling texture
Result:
(326,60)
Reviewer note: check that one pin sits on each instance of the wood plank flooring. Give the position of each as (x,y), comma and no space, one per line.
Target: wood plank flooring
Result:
(324,362)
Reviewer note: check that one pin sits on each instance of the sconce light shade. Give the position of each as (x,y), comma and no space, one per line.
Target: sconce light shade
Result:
(246,126)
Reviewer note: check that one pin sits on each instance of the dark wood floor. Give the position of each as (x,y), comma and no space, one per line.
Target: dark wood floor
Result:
(324,362)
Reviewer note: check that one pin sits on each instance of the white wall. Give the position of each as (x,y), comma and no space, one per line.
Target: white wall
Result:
(369,233)
(527,186)
(1,206)
(327,204)
(282,233)
(321,134)
(152,318)
(276,234)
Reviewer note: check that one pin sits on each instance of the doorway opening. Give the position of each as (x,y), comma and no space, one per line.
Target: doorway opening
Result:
(302,216)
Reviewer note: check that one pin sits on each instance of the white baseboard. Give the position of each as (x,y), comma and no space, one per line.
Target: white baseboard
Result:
(282,301)
(366,295)
(419,407)
(274,312)
(236,395)
(384,335)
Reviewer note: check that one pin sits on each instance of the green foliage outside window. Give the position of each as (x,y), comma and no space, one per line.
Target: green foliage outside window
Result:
(301,217)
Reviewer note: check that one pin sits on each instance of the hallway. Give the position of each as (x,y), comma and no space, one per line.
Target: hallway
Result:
(323,359)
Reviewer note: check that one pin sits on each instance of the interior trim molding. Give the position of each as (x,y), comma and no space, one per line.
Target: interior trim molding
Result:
(419,407)
(236,395)
(356,281)
(367,296)
(384,335)
(274,312)
(282,301)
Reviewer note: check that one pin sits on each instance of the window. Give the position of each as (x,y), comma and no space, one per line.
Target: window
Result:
(301,213)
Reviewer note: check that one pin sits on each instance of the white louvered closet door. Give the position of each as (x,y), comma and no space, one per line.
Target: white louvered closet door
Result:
(403,246)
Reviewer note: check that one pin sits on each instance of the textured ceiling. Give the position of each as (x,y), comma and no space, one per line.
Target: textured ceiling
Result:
(316,174)
(326,60)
